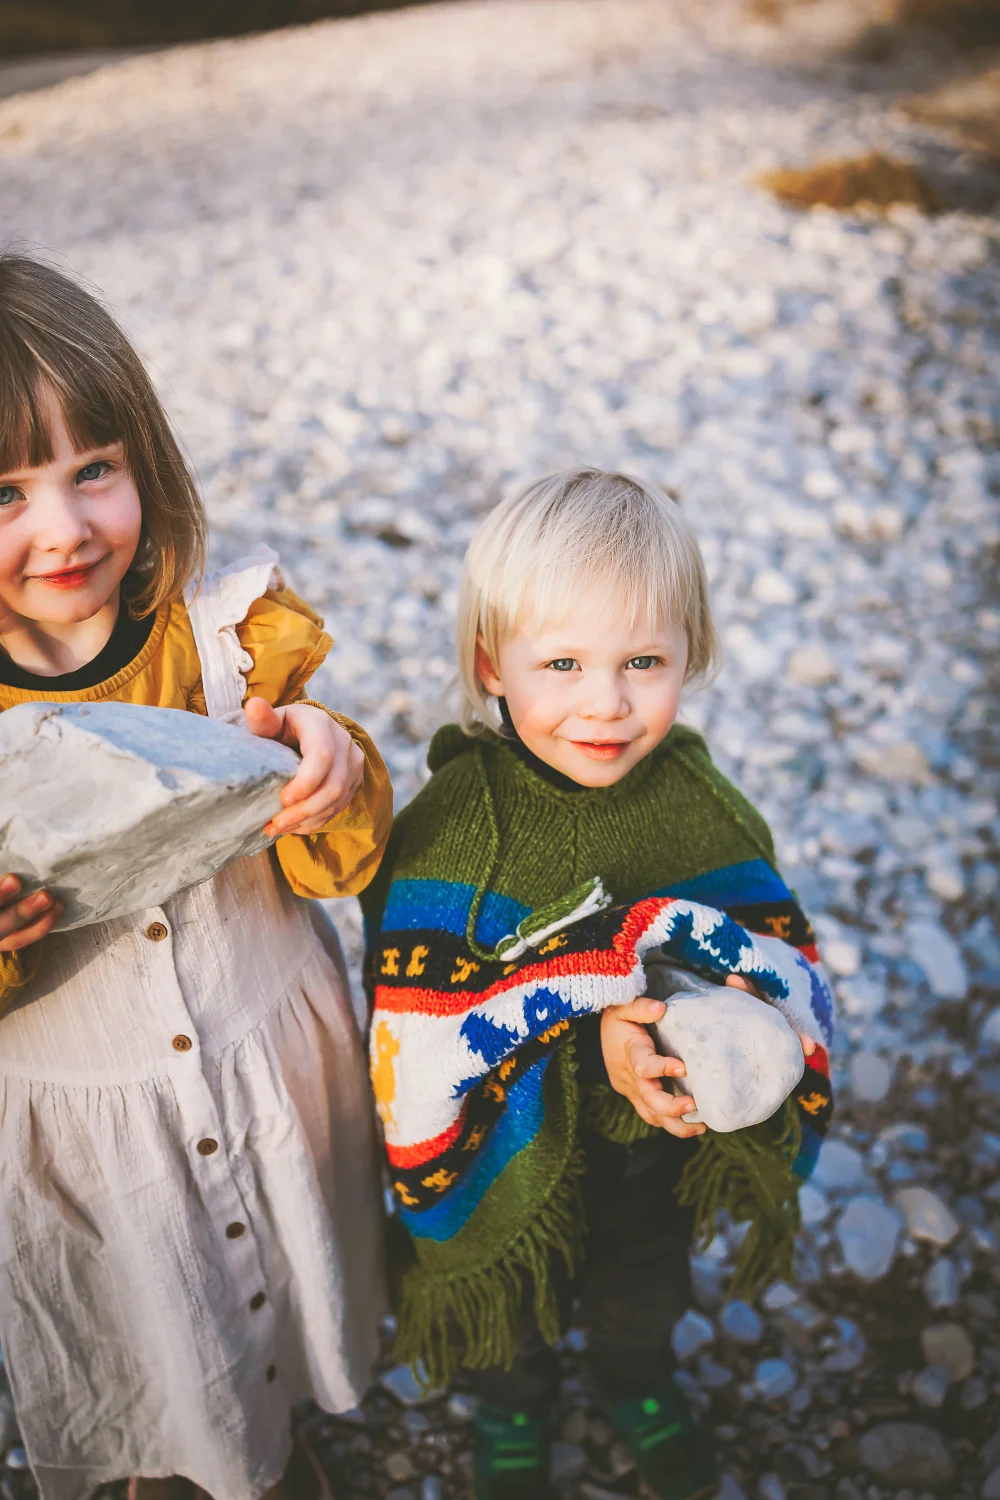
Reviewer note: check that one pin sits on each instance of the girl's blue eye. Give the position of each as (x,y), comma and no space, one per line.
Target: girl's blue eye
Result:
(562,664)
(8,495)
(96,470)
(643,663)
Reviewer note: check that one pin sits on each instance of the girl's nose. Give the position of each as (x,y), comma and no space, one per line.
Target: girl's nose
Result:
(62,525)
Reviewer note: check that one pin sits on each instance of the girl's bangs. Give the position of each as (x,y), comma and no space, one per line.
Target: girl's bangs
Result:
(28,387)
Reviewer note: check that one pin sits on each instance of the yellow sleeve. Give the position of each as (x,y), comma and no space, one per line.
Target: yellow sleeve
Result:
(16,969)
(287,643)
(341,859)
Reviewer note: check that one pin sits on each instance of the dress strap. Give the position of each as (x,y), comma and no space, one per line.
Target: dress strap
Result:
(215,606)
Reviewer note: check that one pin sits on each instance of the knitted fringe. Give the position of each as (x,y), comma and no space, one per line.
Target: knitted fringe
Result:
(473,1319)
(612,1116)
(749,1174)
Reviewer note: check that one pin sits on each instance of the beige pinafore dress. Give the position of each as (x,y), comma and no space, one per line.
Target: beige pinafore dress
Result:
(189,1204)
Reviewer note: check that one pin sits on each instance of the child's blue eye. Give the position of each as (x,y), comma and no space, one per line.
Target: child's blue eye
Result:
(562,664)
(96,470)
(8,495)
(643,663)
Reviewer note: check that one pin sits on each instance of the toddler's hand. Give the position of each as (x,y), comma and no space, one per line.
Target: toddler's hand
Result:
(332,768)
(739,983)
(24,922)
(634,1066)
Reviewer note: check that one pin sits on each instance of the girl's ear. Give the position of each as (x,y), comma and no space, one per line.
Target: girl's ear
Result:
(486,672)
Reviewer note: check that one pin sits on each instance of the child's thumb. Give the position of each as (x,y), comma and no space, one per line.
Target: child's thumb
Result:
(262,719)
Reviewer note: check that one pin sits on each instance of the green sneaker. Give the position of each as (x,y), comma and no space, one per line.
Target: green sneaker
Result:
(669,1449)
(511,1454)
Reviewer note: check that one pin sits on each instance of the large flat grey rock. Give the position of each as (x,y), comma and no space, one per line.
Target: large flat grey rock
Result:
(114,807)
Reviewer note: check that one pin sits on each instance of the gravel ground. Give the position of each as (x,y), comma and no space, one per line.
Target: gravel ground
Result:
(384,268)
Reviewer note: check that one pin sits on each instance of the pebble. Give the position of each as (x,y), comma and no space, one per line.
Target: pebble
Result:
(741,1323)
(941,1283)
(927,1217)
(936,952)
(948,1346)
(840,1168)
(431,1487)
(692,1333)
(813,1205)
(868,1233)
(774,1378)
(930,1387)
(991,1486)
(871,1077)
(906,1453)
(399,1467)
(989,1036)
(461,1408)
(402,1383)
(770,1487)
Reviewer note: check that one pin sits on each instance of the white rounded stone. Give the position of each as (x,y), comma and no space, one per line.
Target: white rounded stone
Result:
(812,665)
(927,1217)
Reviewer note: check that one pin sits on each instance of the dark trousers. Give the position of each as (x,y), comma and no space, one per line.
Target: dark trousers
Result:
(634,1283)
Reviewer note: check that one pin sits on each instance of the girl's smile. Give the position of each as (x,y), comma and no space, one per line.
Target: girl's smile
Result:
(70,578)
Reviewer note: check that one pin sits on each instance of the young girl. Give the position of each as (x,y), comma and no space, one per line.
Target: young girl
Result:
(189,1214)
(534,1154)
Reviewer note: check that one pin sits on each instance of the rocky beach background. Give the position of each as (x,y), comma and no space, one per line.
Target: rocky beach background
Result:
(384,268)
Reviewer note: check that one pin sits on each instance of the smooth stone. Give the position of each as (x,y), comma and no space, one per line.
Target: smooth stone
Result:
(117,806)
(741,1323)
(871,1077)
(935,951)
(930,1388)
(431,1487)
(906,1453)
(729,1489)
(948,1346)
(779,1296)
(17,1457)
(713,1375)
(774,1378)
(692,1333)
(772,587)
(461,1408)
(839,1168)
(868,1233)
(975,1393)
(567,1461)
(941,1283)
(927,1218)
(814,1206)
(398,1467)
(770,1487)
(991,1486)
(852,1351)
(742,1057)
(402,1382)
(812,665)
(989,1036)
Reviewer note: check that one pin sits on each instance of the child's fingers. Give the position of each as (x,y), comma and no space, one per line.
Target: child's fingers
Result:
(654,1065)
(24,936)
(10,888)
(737,982)
(808,1045)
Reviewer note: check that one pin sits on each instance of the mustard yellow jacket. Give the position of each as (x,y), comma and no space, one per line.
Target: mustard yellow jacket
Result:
(287,642)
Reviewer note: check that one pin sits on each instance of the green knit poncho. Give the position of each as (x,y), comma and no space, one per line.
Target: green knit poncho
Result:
(485,844)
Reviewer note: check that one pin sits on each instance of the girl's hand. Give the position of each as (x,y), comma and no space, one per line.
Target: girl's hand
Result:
(24,922)
(739,983)
(332,766)
(634,1066)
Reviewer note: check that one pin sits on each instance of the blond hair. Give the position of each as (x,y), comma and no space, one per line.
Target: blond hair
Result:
(56,337)
(560,541)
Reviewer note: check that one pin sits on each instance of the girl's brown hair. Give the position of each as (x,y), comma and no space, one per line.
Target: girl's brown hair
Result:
(55,336)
